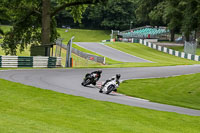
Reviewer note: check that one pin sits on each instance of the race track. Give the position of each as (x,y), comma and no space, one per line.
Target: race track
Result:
(110,52)
(69,81)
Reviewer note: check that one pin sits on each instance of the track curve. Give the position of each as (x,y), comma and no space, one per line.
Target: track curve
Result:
(110,52)
(68,81)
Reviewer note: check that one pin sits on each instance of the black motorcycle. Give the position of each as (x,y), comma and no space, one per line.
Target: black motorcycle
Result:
(90,79)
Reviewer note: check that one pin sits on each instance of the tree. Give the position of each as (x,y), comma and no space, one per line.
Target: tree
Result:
(173,16)
(143,10)
(29,17)
(191,14)
(156,15)
(118,14)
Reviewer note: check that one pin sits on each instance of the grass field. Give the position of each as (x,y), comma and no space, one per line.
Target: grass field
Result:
(181,90)
(29,109)
(83,35)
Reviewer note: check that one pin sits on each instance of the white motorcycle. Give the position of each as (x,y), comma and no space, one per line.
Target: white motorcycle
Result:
(109,87)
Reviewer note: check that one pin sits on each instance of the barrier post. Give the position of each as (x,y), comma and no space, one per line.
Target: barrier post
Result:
(69,50)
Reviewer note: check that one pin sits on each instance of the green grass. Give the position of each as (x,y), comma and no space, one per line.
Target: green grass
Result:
(181,90)
(181,48)
(159,58)
(29,109)
(83,35)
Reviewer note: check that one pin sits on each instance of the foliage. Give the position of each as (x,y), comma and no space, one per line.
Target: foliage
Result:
(116,14)
(1,32)
(119,14)
(190,14)
(26,17)
(178,15)
(144,9)
(156,14)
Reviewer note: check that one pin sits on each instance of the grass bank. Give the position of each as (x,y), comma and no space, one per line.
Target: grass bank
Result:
(29,109)
(159,58)
(181,90)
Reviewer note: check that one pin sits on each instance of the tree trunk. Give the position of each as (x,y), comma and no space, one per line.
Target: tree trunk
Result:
(187,36)
(46,18)
(172,35)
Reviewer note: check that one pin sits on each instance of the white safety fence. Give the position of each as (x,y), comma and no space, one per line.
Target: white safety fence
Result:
(31,61)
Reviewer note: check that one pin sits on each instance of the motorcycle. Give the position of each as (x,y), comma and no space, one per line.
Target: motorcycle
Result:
(90,79)
(109,87)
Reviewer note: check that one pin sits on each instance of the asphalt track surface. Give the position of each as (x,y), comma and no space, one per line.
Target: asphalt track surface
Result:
(69,81)
(110,52)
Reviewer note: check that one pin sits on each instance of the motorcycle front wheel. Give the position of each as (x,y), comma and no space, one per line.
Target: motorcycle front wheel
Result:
(110,89)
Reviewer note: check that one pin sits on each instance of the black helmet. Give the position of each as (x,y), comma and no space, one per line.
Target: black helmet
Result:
(99,71)
(118,76)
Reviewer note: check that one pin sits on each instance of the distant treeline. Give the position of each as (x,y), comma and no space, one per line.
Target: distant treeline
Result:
(180,16)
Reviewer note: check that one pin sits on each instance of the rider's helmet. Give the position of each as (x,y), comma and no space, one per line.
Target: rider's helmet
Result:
(99,71)
(112,78)
(118,76)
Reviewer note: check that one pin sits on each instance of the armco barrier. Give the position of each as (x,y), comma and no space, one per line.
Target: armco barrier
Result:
(9,61)
(86,55)
(24,61)
(40,61)
(89,56)
(170,51)
(32,61)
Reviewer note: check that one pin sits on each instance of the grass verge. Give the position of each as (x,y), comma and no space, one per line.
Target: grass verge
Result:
(181,90)
(29,109)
